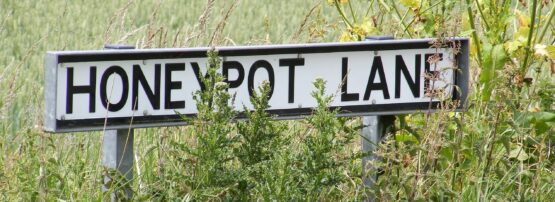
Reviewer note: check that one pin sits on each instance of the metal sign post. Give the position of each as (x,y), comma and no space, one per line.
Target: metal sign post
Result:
(374,128)
(117,155)
(117,159)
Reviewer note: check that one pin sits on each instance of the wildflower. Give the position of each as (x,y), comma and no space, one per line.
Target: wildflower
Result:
(331,2)
(346,37)
(544,50)
(534,108)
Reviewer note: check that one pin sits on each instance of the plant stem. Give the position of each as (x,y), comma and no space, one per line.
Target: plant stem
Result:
(482,14)
(401,19)
(353,14)
(459,134)
(474,32)
(369,9)
(491,148)
(549,19)
(523,67)
(336,3)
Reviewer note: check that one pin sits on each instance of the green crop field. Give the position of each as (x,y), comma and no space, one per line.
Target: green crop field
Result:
(500,149)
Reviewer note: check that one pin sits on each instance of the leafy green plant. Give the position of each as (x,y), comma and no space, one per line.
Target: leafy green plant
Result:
(323,156)
(206,169)
(261,138)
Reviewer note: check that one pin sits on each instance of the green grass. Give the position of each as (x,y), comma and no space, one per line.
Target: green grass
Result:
(500,149)
(67,166)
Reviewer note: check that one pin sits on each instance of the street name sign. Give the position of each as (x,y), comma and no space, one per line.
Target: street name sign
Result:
(116,89)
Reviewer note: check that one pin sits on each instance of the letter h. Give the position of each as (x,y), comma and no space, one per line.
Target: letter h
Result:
(88,89)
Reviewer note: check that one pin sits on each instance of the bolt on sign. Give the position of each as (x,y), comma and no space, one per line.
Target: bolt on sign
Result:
(115,89)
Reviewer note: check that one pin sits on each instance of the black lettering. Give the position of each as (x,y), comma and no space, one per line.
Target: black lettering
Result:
(377,66)
(153,97)
(414,85)
(345,96)
(257,65)
(198,75)
(291,63)
(171,85)
(233,65)
(88,89)
(103,87)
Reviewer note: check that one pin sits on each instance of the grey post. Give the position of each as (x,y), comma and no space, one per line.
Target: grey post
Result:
(117,155)
(374,128)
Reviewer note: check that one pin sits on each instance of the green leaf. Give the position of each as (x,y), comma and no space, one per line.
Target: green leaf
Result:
(519,154)
(543,121)
(545,50)
(506,141)
(402,137)
(551,51)
(545,116)
(447,153)
(53,161)
(541,127)
(522,34)
(513,45)
(494,59)
(466,33)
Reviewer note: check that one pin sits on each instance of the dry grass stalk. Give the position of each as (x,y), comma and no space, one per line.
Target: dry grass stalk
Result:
(111,24)
(304,22)
(200,27)
(216,36)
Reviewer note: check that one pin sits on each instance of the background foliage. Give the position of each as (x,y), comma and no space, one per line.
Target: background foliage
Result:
(501,148)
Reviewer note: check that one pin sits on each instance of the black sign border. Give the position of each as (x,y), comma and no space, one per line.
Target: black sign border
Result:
(461,80)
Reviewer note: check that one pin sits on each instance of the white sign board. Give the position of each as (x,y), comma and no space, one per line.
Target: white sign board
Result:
(86,89)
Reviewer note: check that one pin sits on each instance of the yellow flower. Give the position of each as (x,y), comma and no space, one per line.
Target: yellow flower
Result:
(346,37)
(514,45)
(330,2)
(408,119)
(523,19)
(413,4)
(534,108)
(545,50)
